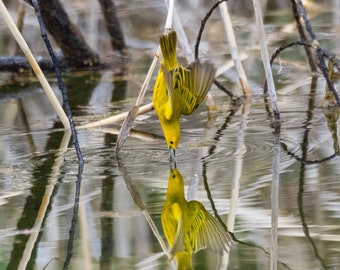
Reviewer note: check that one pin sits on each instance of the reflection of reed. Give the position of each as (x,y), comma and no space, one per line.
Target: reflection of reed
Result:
(304,149)
(107,222)
(133,190)
(24,246)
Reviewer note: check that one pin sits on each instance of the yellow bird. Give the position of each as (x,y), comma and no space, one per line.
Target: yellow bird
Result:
(188,226)
(178,90)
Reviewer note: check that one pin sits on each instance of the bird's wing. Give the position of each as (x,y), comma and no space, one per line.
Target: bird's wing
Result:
(188,100)
(206,231)
(197,79)
(169,82)
(179,237)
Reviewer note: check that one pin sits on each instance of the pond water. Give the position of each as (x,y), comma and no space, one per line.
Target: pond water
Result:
(229,154)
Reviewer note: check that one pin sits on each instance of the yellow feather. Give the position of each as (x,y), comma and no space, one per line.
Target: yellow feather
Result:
(188,226)
(178,90)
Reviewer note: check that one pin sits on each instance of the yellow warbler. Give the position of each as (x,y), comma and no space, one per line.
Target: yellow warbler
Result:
(178,90)
(188,226)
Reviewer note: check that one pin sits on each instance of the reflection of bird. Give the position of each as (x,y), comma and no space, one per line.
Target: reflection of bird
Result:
(188,226)
(178,90)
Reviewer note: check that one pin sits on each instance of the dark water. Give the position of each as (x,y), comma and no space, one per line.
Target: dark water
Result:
(231,154)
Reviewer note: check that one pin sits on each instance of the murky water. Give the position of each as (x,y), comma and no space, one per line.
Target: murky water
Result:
(231,154)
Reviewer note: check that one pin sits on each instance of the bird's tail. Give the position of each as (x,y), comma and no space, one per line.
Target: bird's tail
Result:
(168,46)
(184,261)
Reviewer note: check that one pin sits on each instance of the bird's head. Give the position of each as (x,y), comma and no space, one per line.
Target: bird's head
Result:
(172,136)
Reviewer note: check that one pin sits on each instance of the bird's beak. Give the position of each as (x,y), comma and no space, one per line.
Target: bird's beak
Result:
(172,158)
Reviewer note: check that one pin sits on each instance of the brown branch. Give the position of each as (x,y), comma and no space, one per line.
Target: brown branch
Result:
(113,25)
(303,37)
(67,35)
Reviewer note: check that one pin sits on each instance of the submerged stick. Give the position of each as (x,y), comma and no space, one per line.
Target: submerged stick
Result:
(40,75)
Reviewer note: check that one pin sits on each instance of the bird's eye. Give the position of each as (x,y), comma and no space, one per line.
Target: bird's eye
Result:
(173,176)
(171,142)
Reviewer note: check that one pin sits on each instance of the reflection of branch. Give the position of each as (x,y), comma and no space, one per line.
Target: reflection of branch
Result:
(74,218)
(304,149)
(45,202)
(305,161)
(302,215)
(284,146)
(211,151)
(31,144)
(139,202)
(238,165)
(275,196)
(204,172)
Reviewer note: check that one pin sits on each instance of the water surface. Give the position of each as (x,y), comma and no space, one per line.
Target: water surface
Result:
(231,154)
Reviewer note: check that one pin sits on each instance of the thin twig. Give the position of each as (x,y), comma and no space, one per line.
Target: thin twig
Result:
(60,81)
(203,22)
(286,46)
(319,52)
(303,13)
(275,54)
(198,40)
(73,130)
(303,37)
